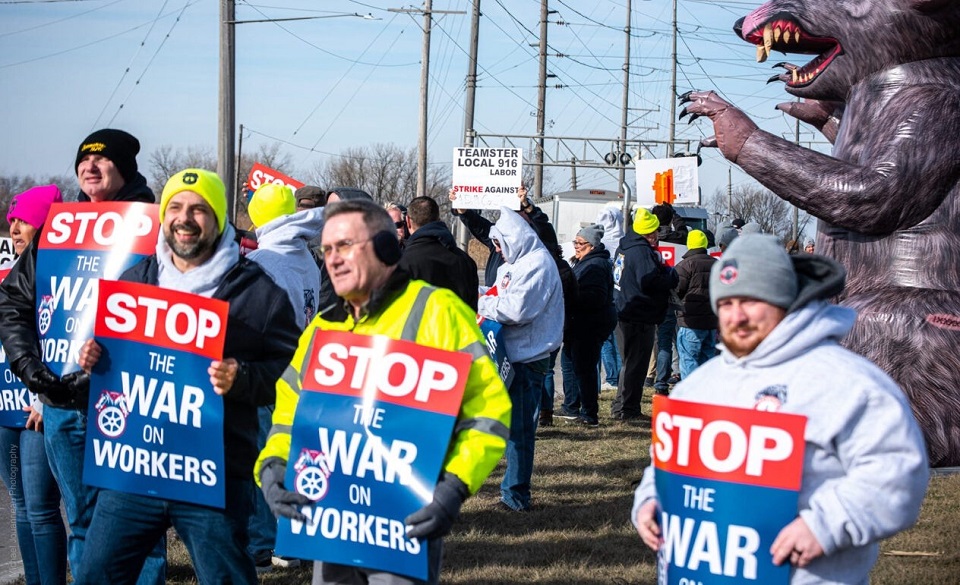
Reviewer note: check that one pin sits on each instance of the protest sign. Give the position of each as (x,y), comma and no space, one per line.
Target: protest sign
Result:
(487,178)
(156,424)
(368,442)
(13,394)
(728,481)
(668,180)
(80,244)
(261,175)
(493,335)
(7,253)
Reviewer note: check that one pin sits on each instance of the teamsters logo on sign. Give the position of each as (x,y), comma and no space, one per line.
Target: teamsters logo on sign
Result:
(369,438)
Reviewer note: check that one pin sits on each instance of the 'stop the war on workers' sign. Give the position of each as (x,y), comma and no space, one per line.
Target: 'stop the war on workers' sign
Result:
(369,438)
(80,244)
(156,425)
(14,396)
(728,481)
(261,175)
(487,178)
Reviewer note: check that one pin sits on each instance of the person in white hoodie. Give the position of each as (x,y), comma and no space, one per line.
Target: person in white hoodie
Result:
(284,236)
(283,246)
(529,304)
(865,467)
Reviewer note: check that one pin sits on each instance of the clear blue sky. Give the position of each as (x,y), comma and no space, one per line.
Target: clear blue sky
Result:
(68,67)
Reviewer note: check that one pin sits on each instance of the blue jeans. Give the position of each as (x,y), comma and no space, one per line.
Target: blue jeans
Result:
(36,505)
(549,388)
(571,385)
(610,358)
(263,524)
(695,346)
(525,391)
(125,528)
(666,334)
(64,436)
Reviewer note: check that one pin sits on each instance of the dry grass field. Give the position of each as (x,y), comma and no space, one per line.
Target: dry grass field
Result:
(579,531)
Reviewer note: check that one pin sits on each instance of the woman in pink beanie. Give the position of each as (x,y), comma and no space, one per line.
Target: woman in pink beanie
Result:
(28,211)
(24,468)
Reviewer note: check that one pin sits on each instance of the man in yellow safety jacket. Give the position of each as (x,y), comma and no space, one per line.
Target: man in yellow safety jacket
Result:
(360,249)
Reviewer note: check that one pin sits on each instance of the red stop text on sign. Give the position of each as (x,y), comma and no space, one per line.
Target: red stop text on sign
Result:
(386,369)
(129,227)
(729,444)
(161,318)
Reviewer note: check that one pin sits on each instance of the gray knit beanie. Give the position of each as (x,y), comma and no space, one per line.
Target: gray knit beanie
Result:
(754,266)
(592,233)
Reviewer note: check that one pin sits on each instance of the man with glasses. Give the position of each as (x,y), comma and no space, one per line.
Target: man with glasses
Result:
(361,251)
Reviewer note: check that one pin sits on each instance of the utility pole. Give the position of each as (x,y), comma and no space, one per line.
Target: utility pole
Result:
(673,86)
(226,134)
(424,89)
(796,210)
(541,102)
(428,13)
(471,97)
(573,173)
(626,98)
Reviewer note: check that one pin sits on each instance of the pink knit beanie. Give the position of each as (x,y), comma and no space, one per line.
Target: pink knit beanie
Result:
(33,205)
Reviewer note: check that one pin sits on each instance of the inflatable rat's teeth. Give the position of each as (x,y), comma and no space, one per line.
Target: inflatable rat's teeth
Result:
(793,73)
(761,54)
(776,34)
(767,38)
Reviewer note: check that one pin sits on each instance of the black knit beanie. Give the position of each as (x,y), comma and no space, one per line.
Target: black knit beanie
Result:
(116,145)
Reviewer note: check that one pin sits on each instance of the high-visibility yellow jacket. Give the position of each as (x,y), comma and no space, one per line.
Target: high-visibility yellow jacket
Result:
(414,311)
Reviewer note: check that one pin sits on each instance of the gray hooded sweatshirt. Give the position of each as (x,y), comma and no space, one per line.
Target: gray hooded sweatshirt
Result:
(529,301)
(865,467)
(283,252)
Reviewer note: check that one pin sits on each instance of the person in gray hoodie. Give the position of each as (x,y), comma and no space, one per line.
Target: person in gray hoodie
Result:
(865,467)
(529,304)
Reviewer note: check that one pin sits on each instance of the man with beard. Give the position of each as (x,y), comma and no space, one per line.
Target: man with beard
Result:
(865,465)
(106,166)
(197,254)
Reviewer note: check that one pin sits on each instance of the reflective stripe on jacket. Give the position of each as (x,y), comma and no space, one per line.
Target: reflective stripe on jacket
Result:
(431,317)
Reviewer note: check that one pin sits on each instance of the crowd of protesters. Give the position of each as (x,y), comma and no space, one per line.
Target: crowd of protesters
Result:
(334,260)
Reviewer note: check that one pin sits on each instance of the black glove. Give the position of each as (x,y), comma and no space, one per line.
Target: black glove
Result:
(281,501)
(436,518)
(39,379)
(78,384)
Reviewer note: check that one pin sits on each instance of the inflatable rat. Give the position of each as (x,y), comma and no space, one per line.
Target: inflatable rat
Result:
(888,199)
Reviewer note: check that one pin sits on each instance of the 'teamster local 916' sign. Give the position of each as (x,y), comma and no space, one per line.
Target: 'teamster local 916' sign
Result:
(487,178)
(369,438)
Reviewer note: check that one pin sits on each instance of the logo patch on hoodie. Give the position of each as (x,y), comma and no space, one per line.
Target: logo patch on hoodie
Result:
(505,281)
(729,272)
(771,398)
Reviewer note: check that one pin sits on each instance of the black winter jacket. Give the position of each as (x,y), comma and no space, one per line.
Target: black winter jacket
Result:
(262,335)
(593,313)
(643,280)
(694,290)
(431,254)
(18,293)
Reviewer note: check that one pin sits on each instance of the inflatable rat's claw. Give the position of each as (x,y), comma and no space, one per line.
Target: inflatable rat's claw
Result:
(685,97)
(692,118)
(774,78)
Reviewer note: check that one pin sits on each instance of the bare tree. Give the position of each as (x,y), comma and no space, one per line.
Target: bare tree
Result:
(753,203)
(165,161)
(11,185)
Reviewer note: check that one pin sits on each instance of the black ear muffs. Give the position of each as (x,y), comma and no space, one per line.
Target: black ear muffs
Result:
(387,247)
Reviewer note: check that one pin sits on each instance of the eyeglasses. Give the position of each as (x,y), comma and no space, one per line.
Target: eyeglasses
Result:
(579,243)
(342,247)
